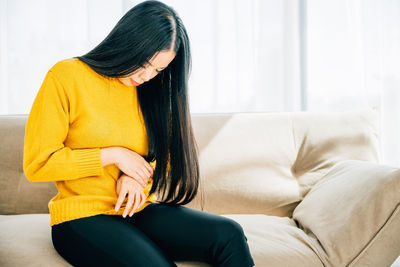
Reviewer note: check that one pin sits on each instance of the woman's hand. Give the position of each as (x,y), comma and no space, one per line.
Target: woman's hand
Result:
(127,185)
(129,162)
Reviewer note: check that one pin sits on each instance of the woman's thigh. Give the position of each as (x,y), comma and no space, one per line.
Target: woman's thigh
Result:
(187,234)
(106,240)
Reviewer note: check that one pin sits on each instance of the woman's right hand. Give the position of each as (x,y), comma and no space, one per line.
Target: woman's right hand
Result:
(132,164)
(136,197)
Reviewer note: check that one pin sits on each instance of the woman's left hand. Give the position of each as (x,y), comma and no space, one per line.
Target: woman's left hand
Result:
(136,196)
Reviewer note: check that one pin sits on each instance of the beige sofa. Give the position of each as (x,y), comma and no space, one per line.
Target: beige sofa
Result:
(307,188)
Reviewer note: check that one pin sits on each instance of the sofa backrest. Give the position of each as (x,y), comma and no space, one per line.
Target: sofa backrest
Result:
(18,195)
(249,162)
(267,162)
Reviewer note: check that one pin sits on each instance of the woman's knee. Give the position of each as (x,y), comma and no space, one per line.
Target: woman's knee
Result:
(228,229)
(230,247)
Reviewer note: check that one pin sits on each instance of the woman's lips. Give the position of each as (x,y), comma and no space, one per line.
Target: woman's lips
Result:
(134,83)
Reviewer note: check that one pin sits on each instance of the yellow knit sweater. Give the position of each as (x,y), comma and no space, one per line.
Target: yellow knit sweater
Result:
(75,113)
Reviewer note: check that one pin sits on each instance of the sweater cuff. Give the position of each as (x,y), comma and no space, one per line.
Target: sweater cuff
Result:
(88,162)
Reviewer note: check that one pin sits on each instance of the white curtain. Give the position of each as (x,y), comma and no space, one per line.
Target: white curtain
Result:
(245,52)
(34,35)
(353,61)
(248,55)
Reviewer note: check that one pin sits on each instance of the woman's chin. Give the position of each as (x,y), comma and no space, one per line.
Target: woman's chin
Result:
(134,83)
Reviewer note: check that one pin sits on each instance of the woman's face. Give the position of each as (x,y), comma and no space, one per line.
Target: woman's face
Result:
(158,62)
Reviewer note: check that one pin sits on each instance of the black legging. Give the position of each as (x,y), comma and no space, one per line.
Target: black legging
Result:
(156,236)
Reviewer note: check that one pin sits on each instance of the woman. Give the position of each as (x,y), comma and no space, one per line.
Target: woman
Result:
(112,129)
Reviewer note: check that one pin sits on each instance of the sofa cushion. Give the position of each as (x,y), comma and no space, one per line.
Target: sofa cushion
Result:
(352,215)
(273,241)
(267,162)
(277,241)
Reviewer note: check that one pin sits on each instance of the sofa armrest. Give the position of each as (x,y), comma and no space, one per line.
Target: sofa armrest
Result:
(352,215)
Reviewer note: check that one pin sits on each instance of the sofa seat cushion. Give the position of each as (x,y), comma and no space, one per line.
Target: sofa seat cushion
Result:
(277,241)
(273,241)
(26,241)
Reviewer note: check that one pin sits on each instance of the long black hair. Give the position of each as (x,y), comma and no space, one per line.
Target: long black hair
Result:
(146,29)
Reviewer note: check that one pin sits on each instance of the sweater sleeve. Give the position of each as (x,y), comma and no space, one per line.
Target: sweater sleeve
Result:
(45,156)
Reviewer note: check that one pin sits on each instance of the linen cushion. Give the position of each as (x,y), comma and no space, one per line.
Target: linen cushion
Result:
(352,215)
